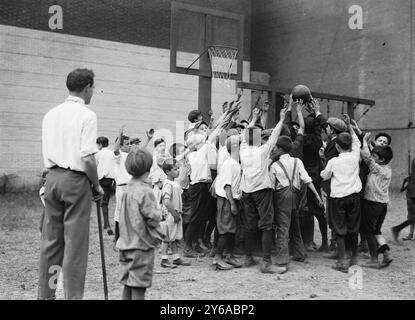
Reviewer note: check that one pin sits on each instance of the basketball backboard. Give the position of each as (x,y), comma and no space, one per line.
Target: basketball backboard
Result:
(194,29)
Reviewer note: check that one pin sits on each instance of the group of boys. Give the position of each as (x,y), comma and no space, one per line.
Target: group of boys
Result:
(237,180)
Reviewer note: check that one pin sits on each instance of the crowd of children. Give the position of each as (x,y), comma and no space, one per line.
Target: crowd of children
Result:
(235,187)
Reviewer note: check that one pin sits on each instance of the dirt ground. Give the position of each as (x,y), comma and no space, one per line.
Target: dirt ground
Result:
(19,250)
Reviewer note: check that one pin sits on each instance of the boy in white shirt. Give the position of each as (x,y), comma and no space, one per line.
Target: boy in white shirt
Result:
(289,174)
(345,187)
(257,191)
(122,177)
(105,167)
(228,194)
(172,210)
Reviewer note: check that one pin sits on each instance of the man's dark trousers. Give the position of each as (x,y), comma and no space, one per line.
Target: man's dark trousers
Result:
(107,186)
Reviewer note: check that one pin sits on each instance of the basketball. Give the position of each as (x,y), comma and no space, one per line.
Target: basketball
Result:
(301,92)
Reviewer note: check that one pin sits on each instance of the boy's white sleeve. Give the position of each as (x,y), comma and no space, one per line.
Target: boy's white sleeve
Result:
(266,149)
(355,146)
(327,172)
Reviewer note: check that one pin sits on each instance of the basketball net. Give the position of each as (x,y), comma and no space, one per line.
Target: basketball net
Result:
(222,59)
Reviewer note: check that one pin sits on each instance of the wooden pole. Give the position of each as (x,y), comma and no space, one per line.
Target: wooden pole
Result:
(205,83)
(101,247)
(350,109)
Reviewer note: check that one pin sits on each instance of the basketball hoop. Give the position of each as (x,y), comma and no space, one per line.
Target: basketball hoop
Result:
(222,58)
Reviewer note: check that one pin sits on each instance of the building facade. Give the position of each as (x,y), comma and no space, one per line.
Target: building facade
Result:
(127,44)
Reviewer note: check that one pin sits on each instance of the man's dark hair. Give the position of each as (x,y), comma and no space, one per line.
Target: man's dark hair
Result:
(193,115)
(158,141)
(384,134)
(78,79)
(344,140)
(383,152)
(285,144)
(103,141)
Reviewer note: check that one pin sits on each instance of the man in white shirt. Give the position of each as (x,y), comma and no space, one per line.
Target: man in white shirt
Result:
(257,191)
(345,187)
(69,133)
(106,166)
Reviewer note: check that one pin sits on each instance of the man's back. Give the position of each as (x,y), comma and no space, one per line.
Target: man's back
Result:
(68,131)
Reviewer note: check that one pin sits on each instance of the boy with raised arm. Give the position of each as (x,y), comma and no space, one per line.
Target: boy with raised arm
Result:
(258,191)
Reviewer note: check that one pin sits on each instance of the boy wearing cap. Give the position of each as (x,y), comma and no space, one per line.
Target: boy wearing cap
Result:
(334,126)
(345,199)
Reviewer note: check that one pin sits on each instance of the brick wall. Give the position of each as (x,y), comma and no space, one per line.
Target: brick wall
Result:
(133,87)
(127,45)
(310,42)
(142,22)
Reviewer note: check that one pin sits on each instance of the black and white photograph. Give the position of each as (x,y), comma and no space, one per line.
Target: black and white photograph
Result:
(207,150)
